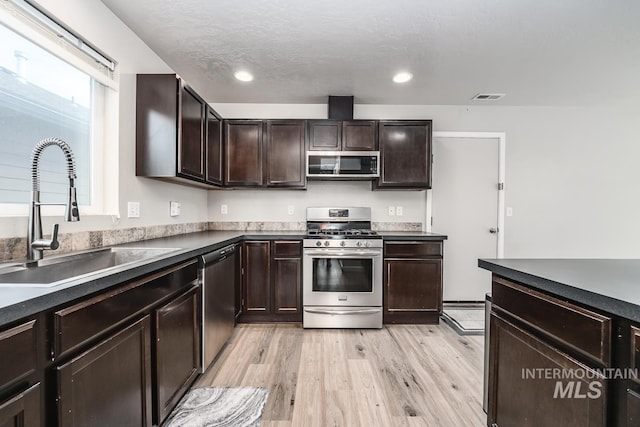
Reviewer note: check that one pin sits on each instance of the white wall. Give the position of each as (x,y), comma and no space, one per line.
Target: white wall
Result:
(92,20)
(571,175)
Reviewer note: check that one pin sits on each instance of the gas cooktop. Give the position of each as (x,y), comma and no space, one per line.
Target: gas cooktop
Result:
(342,234)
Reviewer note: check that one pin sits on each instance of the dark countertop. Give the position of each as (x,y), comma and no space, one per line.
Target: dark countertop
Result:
(608,285)
(20,302)
(411,235)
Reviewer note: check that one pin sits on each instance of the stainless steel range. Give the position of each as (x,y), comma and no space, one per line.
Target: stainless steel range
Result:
(342,270)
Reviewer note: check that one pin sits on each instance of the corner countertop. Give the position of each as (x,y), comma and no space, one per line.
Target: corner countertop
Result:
(20,302)
(608,285)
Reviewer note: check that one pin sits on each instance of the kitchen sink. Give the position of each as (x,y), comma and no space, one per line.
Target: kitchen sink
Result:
(57,270)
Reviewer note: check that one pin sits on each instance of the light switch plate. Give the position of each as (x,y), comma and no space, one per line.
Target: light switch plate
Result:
(133,209)
(174,209)
(392,210)
(509,211)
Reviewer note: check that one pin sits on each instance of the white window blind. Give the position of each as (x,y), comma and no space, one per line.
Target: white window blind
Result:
(50,86)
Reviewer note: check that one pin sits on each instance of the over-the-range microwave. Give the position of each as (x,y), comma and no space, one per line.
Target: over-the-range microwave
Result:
(343,164)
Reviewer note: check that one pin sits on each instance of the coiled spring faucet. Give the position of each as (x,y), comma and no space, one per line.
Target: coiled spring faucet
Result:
(35,242)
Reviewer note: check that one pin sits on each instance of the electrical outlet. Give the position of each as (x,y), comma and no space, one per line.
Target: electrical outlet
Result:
(399,211)
(174,209)
(290,209)
(133,209)
(509,211)
(224,209)
(392,210)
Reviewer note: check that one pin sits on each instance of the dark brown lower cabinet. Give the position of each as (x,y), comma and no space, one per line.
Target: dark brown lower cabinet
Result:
(412,282)
(22,409)
(271,281)
(255,277)
(286,280)
(176,351)
(523,391)
(110,383)
(633,408)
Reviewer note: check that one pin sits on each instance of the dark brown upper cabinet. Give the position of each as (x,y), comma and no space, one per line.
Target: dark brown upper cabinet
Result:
(324,135)
(191,134)
(243,153)
(215,157)
(285,153)
(171,131)
(359,135)
(335,135)
(405,155)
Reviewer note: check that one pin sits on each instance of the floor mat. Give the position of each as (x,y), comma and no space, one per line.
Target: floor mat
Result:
(466,319)
(220,407)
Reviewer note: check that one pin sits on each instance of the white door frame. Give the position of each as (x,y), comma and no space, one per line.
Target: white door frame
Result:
(502,139)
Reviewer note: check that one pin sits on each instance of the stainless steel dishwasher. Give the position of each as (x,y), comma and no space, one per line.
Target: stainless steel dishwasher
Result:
(219,277)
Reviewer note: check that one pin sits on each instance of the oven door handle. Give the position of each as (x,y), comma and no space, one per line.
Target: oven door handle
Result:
(331,254)
(343,312)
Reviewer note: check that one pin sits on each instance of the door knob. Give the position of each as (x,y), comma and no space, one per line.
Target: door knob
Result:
(493,230)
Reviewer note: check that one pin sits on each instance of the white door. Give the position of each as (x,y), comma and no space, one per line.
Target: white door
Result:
(465,208)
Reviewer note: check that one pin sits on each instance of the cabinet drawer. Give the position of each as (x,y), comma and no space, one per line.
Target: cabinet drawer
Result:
(635,350)
(287,248)
(582,330)
(85,320)
(18,347)
(412,249)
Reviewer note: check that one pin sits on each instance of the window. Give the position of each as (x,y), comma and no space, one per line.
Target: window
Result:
(43,95)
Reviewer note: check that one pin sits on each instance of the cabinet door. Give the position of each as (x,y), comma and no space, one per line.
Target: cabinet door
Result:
(287,279)
(255,280)
(405,154)
(285,151)
(412,290)
(176,350)
(22,410)
(243,152)
(191,140)
(109,384)
(633,408)
(214,164)
(520,394)
(359,135)
(324,135)
(19,348)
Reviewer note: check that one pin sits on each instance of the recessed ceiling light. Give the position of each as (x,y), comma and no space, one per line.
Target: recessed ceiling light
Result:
(402,77)
(243,76)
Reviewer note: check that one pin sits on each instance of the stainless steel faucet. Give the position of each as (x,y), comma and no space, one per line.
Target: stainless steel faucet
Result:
(35,243)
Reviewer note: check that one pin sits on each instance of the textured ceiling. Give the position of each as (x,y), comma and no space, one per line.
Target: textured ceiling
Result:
(538,52)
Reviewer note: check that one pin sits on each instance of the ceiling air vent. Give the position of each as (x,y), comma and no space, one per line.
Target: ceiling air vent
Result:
(488,97)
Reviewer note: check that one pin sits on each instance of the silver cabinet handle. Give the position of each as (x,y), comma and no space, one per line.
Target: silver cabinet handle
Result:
(493,230)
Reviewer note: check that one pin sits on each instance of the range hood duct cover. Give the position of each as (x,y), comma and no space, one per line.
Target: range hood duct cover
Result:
(340,107)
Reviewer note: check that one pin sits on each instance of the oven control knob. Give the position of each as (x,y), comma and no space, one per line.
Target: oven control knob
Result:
(358,243)
(326,243)
(343,243)
(318,243)
(368,244)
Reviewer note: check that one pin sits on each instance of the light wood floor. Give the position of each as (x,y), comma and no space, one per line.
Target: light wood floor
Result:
(402,375)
